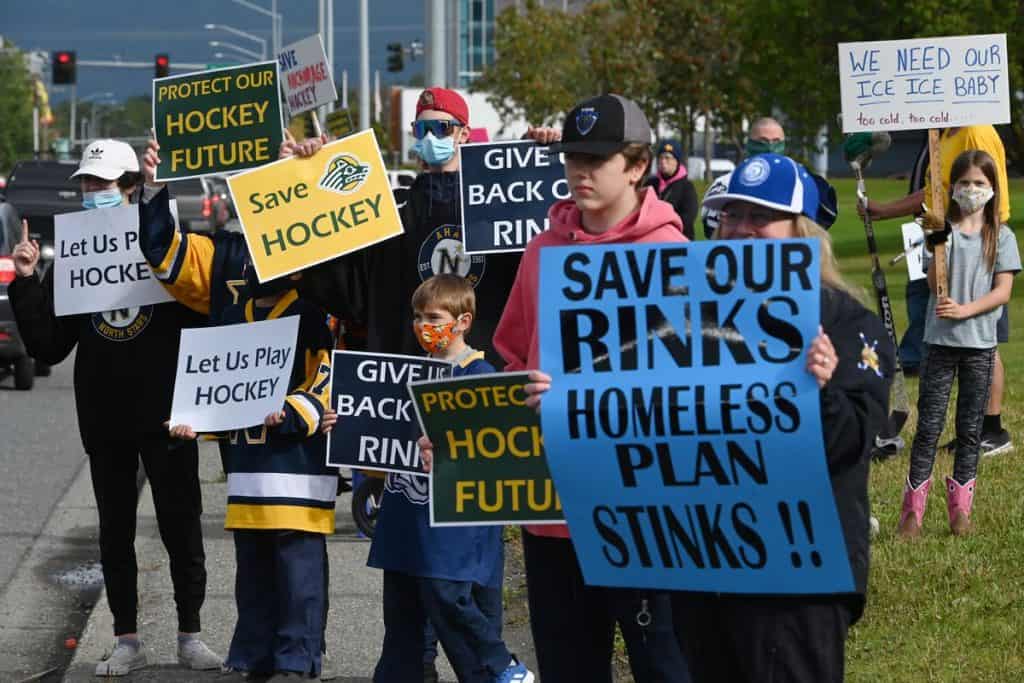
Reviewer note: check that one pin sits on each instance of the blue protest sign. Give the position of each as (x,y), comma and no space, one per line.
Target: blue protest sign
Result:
(682,429)
(377,427)
(507,189)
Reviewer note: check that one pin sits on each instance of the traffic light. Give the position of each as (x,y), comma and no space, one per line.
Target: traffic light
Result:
(162,65)
(63,63)
(395,57)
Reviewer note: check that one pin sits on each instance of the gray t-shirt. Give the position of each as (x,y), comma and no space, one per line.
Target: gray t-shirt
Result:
(969,280)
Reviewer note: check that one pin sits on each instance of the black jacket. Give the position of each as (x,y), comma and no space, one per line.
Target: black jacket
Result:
(854,408)
(683,197)
(374,286)
(125,364)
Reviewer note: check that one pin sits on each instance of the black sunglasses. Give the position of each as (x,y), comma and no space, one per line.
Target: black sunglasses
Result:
(441,128)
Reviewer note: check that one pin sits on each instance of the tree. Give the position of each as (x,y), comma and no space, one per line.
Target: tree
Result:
(16,98)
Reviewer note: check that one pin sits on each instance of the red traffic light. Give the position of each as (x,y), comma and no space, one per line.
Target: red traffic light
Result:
(63,57)
(63,63)
(162,65)
(162,60)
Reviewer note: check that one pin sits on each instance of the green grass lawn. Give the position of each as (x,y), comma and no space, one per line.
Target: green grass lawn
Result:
(941,608)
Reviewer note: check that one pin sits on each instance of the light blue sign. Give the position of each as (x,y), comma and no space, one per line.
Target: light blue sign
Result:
(682,428)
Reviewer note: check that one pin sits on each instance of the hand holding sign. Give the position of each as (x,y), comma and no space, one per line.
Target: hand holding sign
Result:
(307,148)
(26,253)
(426,453)
(150,161)
(821,358)
(540,382)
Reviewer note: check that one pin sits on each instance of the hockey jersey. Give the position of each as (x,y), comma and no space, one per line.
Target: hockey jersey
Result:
(405,542)
(277,477)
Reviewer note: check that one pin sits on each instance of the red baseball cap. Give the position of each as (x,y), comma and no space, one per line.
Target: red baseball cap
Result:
(442,99)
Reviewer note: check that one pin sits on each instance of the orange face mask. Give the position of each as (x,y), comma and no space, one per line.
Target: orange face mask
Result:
(435,338)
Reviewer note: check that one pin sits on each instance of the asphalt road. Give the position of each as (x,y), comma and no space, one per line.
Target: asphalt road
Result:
(48,571)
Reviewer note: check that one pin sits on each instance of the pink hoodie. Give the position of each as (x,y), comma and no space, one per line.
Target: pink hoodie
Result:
(516,335)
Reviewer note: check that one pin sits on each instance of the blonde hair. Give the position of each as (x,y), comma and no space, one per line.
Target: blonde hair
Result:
(448,292)
(830,275)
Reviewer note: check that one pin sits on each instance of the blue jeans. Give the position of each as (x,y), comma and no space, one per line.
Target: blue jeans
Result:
(912,345)
(465,617)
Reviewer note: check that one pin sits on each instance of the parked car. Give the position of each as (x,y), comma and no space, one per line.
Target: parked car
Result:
(204,204)
(719,167)
(38,190)
(14,359)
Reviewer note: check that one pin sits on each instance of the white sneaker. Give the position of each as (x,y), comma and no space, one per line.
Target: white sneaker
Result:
(194,654)
(122,660)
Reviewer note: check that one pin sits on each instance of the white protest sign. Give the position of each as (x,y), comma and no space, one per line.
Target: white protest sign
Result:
(306,75)
(924,83)
(233,376)
(913,247)
(98,265)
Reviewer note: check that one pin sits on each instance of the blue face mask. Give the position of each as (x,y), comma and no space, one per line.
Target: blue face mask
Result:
(435,151)
(104,199)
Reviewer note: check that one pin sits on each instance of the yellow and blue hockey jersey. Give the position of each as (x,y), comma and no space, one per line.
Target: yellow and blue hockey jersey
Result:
(277,477)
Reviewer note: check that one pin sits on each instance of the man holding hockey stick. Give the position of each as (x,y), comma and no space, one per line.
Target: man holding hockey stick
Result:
(860,148)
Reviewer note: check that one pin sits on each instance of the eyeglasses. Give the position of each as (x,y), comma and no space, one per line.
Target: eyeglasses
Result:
(441,128)
(731,218)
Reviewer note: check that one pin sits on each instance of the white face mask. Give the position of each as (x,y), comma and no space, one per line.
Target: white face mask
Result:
(972,199)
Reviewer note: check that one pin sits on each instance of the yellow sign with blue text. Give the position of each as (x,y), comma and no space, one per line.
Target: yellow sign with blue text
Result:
(296,212)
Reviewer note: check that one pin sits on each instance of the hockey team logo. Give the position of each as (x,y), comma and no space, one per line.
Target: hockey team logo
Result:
(414,487)
(586,119)
(344,174)
(122,324)
(869,356)
(444,252)
(756,172)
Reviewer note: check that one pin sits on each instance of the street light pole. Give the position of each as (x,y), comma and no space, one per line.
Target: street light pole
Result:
(275,20)
(330,44)
(241,34)
(364,64)
(236,48)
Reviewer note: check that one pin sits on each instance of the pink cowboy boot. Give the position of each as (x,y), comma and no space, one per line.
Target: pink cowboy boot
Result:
(959,498)
(912,513)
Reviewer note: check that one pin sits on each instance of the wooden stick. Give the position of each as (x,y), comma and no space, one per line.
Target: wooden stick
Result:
(937,205)
(316,123)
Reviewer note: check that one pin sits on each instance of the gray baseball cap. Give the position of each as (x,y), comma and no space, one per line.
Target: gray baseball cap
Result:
(603,125)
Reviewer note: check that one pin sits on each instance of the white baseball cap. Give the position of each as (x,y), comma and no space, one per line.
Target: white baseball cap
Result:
(107,159)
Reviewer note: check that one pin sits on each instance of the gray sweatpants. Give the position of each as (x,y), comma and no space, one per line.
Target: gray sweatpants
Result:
(939,368)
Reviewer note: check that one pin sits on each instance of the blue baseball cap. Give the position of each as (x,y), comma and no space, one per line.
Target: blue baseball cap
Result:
(771,180)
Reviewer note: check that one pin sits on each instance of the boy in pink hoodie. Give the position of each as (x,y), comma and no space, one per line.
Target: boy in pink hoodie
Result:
(606,142)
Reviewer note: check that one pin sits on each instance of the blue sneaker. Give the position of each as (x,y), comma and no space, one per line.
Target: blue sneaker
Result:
(515,673)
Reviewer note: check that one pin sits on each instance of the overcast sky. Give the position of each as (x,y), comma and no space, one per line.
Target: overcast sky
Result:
(136,31)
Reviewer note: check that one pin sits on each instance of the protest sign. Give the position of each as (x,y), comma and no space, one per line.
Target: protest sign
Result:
(376,428)
(682,428)
(489,465)
(306,75)
(299,212)
(913,247)
(233,376)
(507,189)
(924,83)
(217,121)
(98,265)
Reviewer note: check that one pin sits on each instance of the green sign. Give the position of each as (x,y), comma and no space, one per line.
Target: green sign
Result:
(217,121)
(489,464)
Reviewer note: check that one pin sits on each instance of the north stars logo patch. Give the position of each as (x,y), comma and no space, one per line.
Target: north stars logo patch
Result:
(586,119)
(443,252)
(122,324)
(344,174)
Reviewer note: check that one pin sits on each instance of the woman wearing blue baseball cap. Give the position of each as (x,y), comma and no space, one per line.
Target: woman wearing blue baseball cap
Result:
(800,638)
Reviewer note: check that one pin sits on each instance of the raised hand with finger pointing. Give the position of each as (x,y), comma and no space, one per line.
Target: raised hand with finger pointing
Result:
(26,253)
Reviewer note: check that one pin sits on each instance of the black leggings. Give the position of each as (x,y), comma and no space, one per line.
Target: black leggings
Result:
(573,624)
(172,468)
(939,368)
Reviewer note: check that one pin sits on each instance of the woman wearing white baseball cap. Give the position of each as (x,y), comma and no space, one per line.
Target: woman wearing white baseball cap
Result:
(109,174)
(124,377)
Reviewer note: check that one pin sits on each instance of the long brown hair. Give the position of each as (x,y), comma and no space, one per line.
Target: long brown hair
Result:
(987,165)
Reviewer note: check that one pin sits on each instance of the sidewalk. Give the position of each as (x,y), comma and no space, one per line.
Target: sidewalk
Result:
(355,628)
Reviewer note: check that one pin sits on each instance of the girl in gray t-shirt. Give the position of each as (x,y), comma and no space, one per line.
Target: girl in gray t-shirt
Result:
(960,337)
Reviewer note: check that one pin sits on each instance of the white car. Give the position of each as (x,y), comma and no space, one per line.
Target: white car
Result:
(719,167)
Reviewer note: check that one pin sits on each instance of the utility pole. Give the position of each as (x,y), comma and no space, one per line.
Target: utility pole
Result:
(364,64)
(435,63)
(330,45)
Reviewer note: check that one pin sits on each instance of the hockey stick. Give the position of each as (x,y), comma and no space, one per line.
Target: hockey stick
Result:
(901,403)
